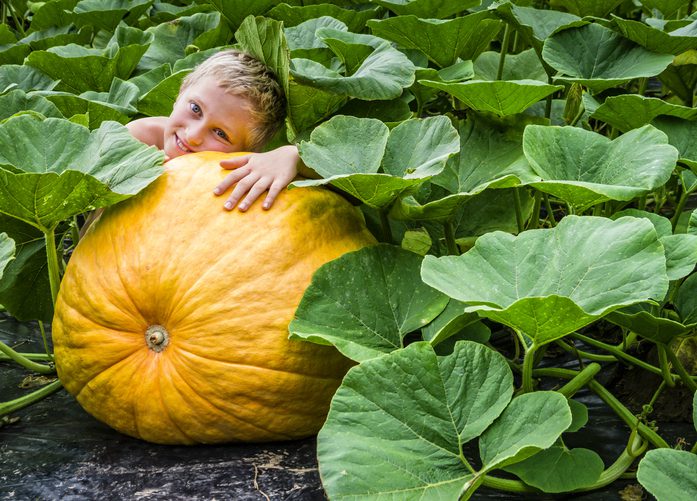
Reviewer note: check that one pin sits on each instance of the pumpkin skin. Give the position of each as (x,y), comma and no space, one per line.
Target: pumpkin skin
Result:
(224,285)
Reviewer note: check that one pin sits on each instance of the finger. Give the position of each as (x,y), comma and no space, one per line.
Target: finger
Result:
(253,194)
(235,162)
(232,178)
(274,191)
(238,192)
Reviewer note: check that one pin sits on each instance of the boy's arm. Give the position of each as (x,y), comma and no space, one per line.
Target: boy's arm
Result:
(256,173)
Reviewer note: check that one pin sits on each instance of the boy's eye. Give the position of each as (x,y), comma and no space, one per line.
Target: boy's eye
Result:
(221,133)
(195,108)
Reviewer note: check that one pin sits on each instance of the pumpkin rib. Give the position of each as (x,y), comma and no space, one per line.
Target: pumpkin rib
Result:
(237,364)
(228,413)
(165,406)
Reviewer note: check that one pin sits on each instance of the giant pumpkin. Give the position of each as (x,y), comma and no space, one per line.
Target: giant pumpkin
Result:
(171,323)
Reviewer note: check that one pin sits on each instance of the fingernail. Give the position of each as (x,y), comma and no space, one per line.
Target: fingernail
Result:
(216,191)
(243,206)
(266,205)
(228,205)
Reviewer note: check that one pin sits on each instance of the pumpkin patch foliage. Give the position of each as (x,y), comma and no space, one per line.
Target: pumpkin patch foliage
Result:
(520,220)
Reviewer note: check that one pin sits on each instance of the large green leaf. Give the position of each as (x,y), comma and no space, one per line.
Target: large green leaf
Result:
(304,35)
(26,78)
(428,8)
(521,66)
(500,97)
(405,416)
(599,58)
(585,168)
(598,8)
(655,40)
(681,76)
(107,14)
(644,320)
(352,164)
(630,111)
(11,52)
(669,474)
(52,14)
(367,314)
(170,40)
(681,134)
(7,252)
(16,101)
(293,15)
(535,25)
(667,7)
(59,169)
(530,423)
(82,69)
(547,283)
(24,289)
(64,35)
(442,41)
(383,74)
(235,11)
(559,469)
(686,300)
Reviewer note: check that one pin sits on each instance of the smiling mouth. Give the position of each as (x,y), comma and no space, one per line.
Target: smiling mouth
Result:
(181,145)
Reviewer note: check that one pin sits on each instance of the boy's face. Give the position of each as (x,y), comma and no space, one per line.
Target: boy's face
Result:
(206,118)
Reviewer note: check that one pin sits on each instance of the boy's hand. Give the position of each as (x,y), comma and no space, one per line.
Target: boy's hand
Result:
(256,173)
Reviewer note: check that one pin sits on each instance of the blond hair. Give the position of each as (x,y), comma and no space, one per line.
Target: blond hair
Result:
(242,75)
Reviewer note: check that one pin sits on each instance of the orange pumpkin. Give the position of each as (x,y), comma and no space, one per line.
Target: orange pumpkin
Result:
(171,322)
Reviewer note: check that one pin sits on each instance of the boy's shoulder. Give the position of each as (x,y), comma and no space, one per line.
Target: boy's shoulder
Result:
(149,130)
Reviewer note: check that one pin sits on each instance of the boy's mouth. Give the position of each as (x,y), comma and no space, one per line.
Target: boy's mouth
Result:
(182,145)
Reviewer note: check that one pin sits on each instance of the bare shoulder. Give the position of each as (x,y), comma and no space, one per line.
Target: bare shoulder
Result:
(149,130)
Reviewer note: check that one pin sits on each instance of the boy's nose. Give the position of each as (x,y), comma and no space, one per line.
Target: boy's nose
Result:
(193,136)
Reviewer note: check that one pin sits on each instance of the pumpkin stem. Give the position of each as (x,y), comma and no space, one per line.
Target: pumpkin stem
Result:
(157,338)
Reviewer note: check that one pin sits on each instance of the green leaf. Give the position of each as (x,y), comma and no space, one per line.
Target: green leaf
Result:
(304,35)
(442,41)
(26,78)
(437,9)
(448,323)
(7,251)
(369,313)
(559,469)
(681,77)
(599,58)
(686,300)
(431,142)
(405,426)
(522,66)
(95,112)
(345,145)
(294,15)
(347,152)
(24,289)
(500,97)
(547,283)
(598,8)
(42,40)
(82,69)
(534,25)
(159,100)
(59,169)
(631,111)
(381,75)
(235,11)
(170,40)
(667,7)
(579,415)
(585,168)
(642,319)
(11,52)
(530,423)
(52,14)
(107,14)
(655,40)
(16,101)
(669,474)
(681,134)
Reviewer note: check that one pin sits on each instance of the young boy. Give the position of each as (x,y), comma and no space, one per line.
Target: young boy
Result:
(231,102)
